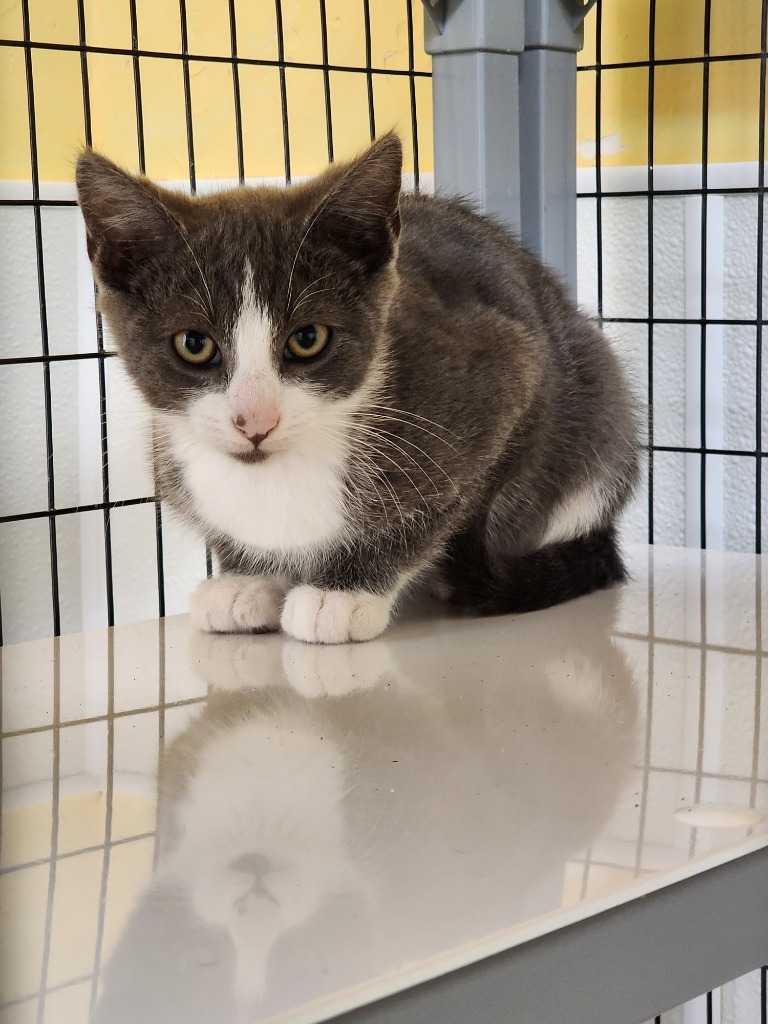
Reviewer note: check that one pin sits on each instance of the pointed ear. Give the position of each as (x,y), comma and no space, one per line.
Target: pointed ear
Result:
(125,219)
(360,214)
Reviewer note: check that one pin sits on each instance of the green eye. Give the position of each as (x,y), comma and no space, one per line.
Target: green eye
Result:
(197,348)
(307,342)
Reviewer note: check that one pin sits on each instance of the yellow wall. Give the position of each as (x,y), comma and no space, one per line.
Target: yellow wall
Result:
(734,87)
(58,89)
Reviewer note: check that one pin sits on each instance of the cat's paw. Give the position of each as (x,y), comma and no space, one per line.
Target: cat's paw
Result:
(334,616)
(237,604)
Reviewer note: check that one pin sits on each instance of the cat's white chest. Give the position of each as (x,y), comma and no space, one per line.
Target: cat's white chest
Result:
(288,503)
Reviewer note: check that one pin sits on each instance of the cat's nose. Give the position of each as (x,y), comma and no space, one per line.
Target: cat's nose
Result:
(255,428)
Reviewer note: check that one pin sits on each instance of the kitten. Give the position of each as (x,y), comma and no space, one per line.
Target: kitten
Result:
(355,388)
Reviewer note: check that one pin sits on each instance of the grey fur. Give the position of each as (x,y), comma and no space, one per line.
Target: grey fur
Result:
(504,399)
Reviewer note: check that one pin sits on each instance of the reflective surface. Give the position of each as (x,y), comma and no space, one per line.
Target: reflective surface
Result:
(333,824)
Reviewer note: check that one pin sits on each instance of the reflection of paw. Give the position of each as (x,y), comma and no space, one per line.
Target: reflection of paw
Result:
(580,685)
(237,604)
(334,616)
(334,671)
(231,662)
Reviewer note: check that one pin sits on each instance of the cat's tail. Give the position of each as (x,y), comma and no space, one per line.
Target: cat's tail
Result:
(539,579)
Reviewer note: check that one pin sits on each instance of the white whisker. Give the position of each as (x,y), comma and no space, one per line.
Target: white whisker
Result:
(306,289)
(425,454)
(424,419)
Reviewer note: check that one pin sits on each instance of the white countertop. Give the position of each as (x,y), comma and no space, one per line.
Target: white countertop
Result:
(338,823)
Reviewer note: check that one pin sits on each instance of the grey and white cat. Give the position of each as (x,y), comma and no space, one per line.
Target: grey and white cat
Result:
(356,388)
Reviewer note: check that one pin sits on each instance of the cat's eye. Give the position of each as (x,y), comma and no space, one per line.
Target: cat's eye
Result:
(307,342)
(197,348)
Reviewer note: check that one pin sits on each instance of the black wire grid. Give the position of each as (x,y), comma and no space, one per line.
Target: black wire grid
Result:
(651,193)
(235,62)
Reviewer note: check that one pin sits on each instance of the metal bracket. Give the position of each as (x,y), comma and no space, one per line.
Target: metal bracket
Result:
(436,11)
(504,88)
(577,10)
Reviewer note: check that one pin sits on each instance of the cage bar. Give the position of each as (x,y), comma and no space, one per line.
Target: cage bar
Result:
(50,469)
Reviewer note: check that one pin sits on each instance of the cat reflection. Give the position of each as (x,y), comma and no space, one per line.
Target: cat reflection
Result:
(331,817)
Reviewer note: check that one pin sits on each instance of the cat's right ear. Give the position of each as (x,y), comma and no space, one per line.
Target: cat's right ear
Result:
(125,220)
(361,212)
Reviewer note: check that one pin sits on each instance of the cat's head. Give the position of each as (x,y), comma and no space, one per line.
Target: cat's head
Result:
(250,317)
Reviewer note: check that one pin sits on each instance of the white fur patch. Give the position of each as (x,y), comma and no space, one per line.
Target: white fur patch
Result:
(334,616)
(253,334)
(237,604)
(578,514)
(254,390)
(293,502)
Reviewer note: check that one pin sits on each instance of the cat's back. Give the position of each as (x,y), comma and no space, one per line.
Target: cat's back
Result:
(499,332)
(465,257)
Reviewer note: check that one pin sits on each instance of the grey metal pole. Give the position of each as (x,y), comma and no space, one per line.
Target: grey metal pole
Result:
(504,87)
(548,132)
(475,48)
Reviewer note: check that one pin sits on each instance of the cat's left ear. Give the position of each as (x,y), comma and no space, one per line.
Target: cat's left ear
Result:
(361,214)
(126,220)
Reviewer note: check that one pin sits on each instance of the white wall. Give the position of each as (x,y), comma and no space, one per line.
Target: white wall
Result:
(731,351)
(25,571)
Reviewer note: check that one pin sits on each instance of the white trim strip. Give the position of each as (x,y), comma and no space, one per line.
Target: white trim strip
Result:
(669,176)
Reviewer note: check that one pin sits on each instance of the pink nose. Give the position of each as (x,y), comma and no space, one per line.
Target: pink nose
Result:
(255,427)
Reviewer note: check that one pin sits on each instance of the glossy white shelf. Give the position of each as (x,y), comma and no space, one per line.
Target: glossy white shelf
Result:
(337,824)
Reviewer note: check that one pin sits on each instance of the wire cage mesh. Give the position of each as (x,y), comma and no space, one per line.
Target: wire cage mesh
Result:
(672,121)
(672,250)
(199,94)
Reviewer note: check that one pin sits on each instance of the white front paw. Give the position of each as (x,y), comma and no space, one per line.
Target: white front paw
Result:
(334,616)
(237,604)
